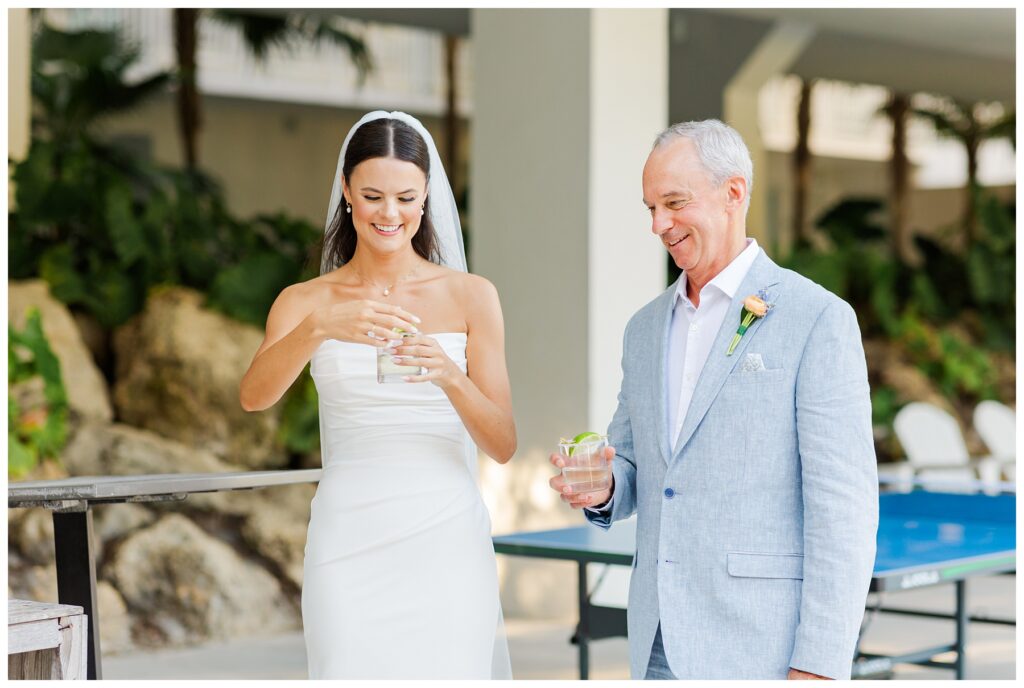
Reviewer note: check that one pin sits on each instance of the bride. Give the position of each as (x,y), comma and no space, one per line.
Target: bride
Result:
(400,579)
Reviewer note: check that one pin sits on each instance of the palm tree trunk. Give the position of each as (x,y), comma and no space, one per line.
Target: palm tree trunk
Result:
(189,121)
(971,142)
(900,176)
(802,167)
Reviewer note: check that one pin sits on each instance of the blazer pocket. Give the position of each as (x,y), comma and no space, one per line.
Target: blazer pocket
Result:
(768,375)
(762,565)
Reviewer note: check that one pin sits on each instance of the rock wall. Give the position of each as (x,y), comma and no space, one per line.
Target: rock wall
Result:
(214,566)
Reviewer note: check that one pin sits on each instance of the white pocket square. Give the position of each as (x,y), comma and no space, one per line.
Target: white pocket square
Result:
(752,363)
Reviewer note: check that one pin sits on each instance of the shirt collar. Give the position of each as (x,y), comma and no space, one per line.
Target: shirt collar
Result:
(728,281)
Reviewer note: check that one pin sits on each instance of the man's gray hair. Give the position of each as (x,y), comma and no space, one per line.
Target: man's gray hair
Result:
(720,148)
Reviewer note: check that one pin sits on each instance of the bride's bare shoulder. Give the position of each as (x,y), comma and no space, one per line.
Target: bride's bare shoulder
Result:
(474,292)
(305,296)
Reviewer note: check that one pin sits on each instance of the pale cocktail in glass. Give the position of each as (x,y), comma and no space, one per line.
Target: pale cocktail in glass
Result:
(387,369)
(586,469)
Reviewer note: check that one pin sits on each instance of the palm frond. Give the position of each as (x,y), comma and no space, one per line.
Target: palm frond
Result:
(261,32)
(356,46)
(944,122)
(78,76)
(1004,127)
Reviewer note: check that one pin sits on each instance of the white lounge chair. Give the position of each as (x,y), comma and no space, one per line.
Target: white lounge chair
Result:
(996,424)
(935,448)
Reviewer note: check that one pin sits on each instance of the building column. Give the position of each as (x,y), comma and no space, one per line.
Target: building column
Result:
(779,49)
(566,107)
(19,96)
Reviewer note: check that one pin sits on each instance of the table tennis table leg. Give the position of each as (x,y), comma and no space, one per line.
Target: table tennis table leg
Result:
(583,628)
(961,629)
(76,576)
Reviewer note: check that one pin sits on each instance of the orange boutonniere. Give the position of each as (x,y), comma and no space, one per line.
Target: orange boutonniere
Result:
(753,307)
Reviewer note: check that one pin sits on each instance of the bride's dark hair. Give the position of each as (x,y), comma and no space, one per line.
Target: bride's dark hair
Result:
(381,138)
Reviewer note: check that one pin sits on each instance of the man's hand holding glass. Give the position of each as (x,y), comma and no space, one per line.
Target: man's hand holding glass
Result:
(585,471)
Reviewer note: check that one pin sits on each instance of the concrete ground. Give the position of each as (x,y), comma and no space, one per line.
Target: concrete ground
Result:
(540,649)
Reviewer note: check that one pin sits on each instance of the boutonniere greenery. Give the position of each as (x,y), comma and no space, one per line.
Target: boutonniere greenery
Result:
(754,307)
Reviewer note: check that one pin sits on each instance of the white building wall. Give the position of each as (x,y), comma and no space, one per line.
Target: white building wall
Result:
(567,104)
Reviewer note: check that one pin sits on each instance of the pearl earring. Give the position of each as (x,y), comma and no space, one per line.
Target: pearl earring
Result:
(348,207)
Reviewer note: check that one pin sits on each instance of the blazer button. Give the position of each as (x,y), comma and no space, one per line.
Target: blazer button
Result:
(669,493)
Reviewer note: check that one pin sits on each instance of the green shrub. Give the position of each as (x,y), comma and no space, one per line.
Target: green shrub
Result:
(947,315)
(37,433)
(959,368)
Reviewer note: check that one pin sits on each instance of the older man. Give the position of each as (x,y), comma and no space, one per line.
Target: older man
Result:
(742,442)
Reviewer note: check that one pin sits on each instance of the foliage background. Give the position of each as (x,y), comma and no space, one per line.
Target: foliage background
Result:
(104,228)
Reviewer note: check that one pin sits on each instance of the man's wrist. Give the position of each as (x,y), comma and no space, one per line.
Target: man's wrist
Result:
(606,503)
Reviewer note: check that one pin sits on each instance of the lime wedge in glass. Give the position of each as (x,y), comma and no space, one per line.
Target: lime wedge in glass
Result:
(580,438)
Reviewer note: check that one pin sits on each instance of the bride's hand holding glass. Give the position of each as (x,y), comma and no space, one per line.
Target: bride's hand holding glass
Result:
(424,351)
(363,321)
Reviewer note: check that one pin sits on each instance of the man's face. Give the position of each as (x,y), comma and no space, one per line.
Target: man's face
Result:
(689,214)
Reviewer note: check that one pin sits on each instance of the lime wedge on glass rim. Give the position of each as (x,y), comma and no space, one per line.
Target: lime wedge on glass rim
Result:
(580,438)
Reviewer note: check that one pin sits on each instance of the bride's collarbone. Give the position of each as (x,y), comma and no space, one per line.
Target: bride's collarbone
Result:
(437,307)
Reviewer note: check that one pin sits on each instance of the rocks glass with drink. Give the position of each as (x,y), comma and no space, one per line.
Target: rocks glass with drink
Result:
(585,469)
(387,369)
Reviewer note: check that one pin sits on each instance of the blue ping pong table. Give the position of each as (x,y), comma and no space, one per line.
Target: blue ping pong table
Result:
(924,538)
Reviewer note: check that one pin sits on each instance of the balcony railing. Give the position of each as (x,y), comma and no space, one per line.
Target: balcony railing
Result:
(408,69)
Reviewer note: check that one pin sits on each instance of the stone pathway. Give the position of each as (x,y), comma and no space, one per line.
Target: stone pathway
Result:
(540,648)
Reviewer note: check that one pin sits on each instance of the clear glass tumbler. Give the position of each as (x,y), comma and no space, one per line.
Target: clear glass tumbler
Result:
(586,469)
(387,369)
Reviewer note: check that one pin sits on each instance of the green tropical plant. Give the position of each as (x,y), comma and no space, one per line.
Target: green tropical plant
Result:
(272,253)
(969,124)
(103,227)
(959,368)
(78,77)
(858,264)
(860,267)
(82,203)
(39,432)
(946,317)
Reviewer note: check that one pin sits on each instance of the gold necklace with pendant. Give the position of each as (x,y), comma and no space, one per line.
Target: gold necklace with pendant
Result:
(387,289)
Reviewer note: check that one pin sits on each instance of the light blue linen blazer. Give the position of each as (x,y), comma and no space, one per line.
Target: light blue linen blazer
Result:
(756,537)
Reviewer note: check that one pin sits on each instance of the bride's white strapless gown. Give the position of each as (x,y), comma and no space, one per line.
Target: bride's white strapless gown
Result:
(400,578)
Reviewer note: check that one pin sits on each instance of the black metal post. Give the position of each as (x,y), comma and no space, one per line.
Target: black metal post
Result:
(961,629)
(76,576)
(583,629)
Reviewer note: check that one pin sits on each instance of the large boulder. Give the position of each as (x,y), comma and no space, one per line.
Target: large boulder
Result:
(273,522)
(191,587)
(115,622)
(87,390)
(178,370)
(32,535)
(38,583)
(123,450)
(275,534)
(112,522)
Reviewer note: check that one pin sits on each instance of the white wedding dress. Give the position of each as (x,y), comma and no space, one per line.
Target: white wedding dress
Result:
(400,578)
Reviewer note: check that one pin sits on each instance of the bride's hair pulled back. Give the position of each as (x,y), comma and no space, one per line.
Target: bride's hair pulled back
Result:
(381,138)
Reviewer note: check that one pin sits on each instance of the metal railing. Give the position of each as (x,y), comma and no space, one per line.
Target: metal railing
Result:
(408,69)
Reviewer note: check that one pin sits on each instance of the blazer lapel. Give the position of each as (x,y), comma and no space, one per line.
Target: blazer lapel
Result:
(763,275)
(661,325)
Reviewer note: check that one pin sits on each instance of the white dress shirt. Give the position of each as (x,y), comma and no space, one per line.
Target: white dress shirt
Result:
(690,337)
(693,332)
